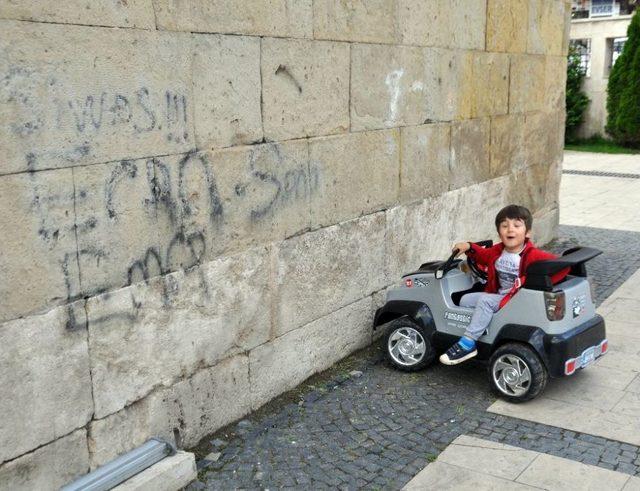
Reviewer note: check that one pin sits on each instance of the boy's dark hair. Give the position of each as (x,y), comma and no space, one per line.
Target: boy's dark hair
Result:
(514,212)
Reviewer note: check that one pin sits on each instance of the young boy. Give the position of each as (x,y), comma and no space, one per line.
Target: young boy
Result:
(506,263)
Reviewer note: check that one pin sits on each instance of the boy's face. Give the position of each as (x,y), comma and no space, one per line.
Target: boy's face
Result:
(512,232)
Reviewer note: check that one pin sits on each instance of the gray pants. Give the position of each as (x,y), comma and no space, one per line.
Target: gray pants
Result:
(486,304)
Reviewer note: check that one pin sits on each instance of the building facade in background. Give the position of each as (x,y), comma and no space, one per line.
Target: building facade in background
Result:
(598,32)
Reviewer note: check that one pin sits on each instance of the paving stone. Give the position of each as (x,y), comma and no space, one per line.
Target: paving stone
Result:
(627,468)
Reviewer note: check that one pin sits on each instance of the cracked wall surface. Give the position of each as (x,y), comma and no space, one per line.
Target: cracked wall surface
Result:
(204,202)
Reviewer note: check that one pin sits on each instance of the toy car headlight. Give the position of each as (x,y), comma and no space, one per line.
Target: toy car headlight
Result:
(554,303)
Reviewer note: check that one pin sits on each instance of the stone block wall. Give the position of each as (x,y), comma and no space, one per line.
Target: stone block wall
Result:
(202,200)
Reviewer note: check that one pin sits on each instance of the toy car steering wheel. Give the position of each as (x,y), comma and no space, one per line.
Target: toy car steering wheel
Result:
(477,271)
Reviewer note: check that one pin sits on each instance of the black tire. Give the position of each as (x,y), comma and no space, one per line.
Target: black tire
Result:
(518,356)
(416,353)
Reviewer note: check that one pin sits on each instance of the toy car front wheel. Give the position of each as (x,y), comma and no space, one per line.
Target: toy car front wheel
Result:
(407,346)
(516,372)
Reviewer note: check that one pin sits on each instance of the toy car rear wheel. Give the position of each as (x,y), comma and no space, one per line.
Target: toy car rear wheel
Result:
(516,372)
(407,345)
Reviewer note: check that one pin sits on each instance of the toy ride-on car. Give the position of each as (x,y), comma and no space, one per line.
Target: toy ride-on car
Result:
(544,330)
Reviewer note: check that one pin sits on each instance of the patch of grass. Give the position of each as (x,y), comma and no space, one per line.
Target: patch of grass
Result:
(598,144)
(431,457)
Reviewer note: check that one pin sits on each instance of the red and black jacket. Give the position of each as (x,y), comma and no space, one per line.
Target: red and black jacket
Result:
(487,257)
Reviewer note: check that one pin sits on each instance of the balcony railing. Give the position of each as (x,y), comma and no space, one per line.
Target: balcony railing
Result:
(580,14)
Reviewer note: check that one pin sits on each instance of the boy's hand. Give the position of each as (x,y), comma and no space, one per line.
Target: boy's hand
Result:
(462,247)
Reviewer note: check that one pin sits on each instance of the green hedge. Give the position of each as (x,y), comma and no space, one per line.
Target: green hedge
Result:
(576,100)
(623,98)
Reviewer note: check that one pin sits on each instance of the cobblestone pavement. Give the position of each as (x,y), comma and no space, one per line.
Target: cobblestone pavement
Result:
(363,424)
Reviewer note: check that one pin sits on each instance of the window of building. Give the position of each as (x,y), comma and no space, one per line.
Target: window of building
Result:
(614,48)
(579,9)
(583,48)
(583,9)
(627,7)
(601,8)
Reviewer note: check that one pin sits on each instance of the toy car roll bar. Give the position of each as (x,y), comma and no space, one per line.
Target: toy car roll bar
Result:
(538,274)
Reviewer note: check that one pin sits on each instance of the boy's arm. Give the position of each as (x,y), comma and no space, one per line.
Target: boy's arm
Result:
(479,253)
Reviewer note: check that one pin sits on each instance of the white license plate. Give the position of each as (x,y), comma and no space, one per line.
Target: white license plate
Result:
(588,356)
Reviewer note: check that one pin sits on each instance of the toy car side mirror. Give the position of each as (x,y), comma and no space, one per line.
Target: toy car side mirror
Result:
(439,274)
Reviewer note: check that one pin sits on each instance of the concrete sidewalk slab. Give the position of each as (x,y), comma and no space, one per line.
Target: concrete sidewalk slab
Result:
(506,462)
(441,476)
(600,201)
(607,162)
(474,463)
(581,418)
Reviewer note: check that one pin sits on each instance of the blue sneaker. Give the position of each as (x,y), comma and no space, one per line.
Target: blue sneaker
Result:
(458,353)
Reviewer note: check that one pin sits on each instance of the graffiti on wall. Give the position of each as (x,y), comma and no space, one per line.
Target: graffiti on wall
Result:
(178,212)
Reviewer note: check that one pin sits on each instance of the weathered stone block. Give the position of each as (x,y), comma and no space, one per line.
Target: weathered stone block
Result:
(445,90)
(426,232)
(305,88)
(527,83)
(82,95)
(281,18)
(507,24)
(146,336)
(425,161)
(190,410)
(357,174)
(45,382)
(536,186)
(466,84)
(470,152)
(477,207)
(132,13)
(435,224)
(542,140)
(49,467)
(555,81)
(566,33)
(433,23)
(353,20)
(283,363)
(38,252)
(320,272)
(545,225)
(487,89)
(546,27)
(507,144)
(394,93)
(117,224)
(265,192)
(226,90)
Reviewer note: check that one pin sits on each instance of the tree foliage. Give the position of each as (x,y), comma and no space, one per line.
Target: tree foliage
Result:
(576,100)
(623,90)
